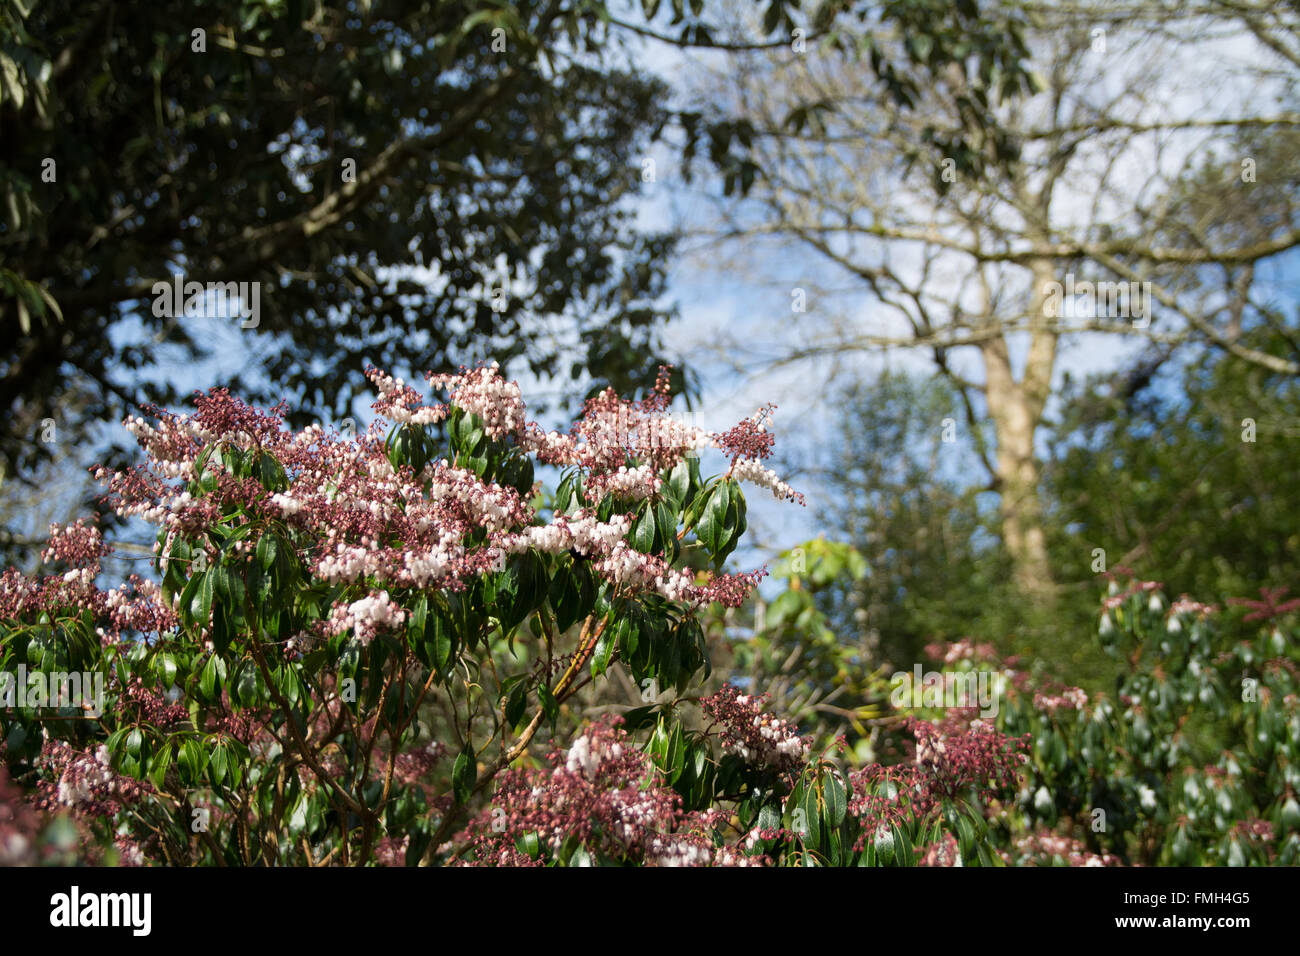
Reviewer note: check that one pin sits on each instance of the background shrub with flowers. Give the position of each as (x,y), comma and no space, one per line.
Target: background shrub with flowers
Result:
(1192,760)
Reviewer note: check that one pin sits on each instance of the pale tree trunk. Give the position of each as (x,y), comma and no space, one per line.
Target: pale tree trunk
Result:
(1016,409)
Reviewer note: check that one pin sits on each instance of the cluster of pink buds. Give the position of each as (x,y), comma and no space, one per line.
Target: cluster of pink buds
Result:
(634,484)
(946,766)
(398,402)
(138,606)
(606,795)
(945,852)
(963,650)
(483,392)
(1185,605)
(80,546)
(981,757)
(1253,829)
(83,781)
(760,739)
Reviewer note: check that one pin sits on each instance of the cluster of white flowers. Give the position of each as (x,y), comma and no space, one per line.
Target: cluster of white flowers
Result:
(754,472)
(1185,607)
(929,751)
(583,758)
(1071,698)
(432,566)
(626,565)
(552,446)
(489,505)
(168,445)
(83,776)
(367,617)
(348,563)
(164,551)
(159,513)
(666,851)
(776,741)
(287,504)
(140,606)
(633,483)
(399,399)
(485,393)
(785,742)
(83,577)
(583,532)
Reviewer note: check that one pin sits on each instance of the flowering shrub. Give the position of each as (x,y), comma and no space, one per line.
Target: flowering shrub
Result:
(1193,761)
(346,641)
(352,651)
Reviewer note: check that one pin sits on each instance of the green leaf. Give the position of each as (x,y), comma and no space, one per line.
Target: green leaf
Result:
(158,765)
(721,521)
(516,703)
(439,638)
(212,677)
(666,531)
(601,655)
(217,764)
(712,518)
(572,594)
(191,761)
(201,609)
(188,596)
(836,794)
(267,548)
(638,717)
(812,808)
(229,590)
(643,532)
(518,590)
(683,483)
(734,525)
(270,473)
(903,847)
(965,835)
(165,667)
(550,706)
(529,844)
(464,774)
(221,631)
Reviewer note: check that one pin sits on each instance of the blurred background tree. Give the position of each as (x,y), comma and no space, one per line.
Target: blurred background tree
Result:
(1183,179)
(1187,478)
